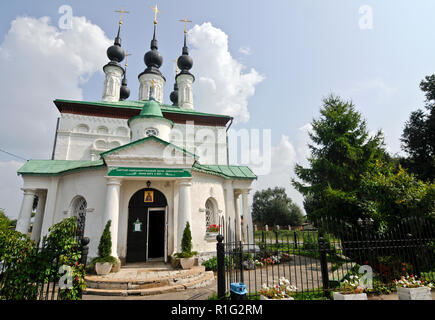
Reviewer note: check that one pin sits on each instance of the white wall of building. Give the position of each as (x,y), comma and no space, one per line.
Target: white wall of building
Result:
(84,138)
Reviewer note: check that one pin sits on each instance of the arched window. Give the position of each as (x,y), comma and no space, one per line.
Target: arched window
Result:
(210,213)
(78,209)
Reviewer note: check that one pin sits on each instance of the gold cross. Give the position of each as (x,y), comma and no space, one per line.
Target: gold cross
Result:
(156,10)
(122,11)
(176,65)
(126,58)
(185,23)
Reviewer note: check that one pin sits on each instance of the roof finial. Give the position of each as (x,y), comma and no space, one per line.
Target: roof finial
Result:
(156,11)
(185,23)
(176,66)
(122,11)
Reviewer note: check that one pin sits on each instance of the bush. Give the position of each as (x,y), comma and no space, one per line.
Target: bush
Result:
(27,266)
(105,247)
(211,264)
(186,244)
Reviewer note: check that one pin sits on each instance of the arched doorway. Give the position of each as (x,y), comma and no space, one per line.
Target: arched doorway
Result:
(147,219)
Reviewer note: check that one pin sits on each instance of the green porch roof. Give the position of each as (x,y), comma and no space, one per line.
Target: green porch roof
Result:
(230,172)
(55,167)
(134,104)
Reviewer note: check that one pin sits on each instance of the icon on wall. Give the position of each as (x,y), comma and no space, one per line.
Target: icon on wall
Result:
(149,196)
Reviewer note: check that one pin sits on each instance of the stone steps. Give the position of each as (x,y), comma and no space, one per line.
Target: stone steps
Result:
(185,279)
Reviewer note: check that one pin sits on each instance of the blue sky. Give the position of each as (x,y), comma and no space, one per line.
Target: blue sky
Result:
(304,50)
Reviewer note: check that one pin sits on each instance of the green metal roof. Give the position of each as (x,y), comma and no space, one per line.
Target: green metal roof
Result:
(134,104)
(231,172)
(165,143)
(55,167)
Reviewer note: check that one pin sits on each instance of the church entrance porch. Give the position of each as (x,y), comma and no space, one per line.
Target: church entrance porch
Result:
(147,226)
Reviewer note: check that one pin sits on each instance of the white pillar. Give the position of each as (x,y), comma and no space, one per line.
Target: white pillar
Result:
(247,217)
(23,222)
(112,83)
(39,217)
(229,208)
(50,206)
(238,219)
(185,92)
(111,211)
(184,209)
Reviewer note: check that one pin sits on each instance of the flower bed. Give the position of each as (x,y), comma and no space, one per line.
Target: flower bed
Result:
(281,291)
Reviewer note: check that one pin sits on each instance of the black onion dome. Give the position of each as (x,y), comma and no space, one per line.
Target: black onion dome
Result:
(115,53)
(185,62)
(174,95)
(124,93)
(153,58)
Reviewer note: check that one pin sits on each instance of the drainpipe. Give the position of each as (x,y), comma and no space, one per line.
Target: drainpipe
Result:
(228,155)
(55,138)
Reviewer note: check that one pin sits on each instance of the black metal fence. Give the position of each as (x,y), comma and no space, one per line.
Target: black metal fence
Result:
(316,261)
(41,276)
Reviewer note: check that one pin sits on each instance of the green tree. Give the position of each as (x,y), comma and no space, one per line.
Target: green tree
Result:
(274,207)
(341,151)
(5,222)
(389,194)
(418,137)
(105,246)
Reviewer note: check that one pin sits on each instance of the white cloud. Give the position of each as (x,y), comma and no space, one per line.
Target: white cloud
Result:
(222,84)
(41,63)
(10,193)
(284,157)
(245,50)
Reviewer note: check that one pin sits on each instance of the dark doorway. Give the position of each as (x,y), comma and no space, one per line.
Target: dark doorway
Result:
(144,201)
(156,233)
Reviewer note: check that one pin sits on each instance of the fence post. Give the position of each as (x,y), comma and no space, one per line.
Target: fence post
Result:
(85,250)
(413,257)
(241,261)
(220,254)
(323,265)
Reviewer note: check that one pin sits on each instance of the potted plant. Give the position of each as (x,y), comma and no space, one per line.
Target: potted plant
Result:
(104,262)
(213,229)
(282,291)
(410,288)
(186,256)
(350,289)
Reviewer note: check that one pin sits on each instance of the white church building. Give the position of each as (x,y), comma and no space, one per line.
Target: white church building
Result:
(147,166)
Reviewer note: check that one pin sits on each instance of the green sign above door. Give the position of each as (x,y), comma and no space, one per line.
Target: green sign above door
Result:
(150,172)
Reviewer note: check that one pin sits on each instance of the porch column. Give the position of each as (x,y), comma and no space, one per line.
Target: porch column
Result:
(247,217)
(184,209)
(229,207)
(238,219)
(23,222)
(40,209)
(112,211)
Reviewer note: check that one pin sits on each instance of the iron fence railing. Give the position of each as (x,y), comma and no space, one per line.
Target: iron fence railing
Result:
(316,261)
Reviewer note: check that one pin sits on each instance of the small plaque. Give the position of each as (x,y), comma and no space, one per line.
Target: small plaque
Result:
(137,226)
(149,196)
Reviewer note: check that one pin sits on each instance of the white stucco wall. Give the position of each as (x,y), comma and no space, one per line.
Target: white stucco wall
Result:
(85,137)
